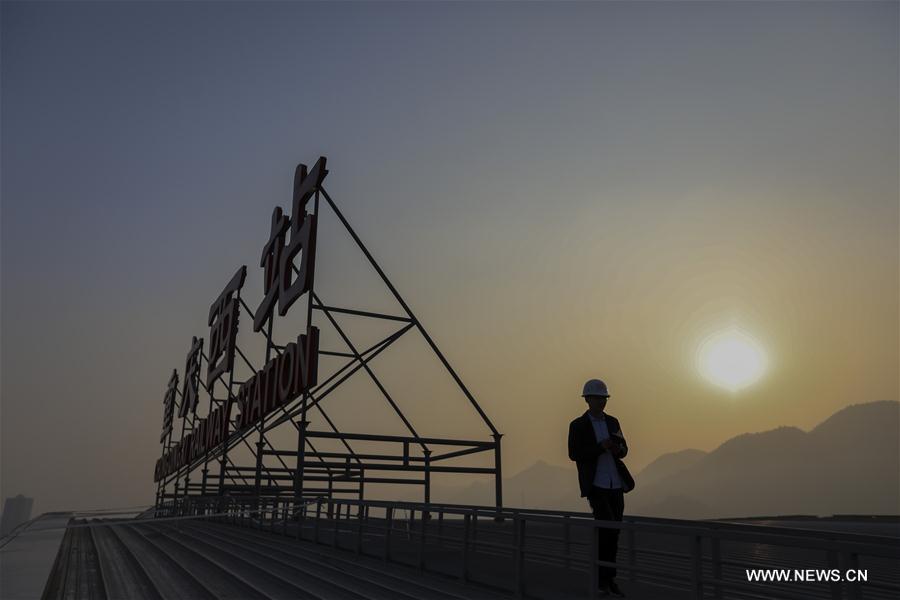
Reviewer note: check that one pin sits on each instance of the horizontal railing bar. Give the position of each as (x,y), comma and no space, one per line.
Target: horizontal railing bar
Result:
(318,475)
(344,455)
(253,469)
(821,541)
(458,453)
(390,480)
(654,564)
(399,438)
(718,524)
(340,466)
(675,526)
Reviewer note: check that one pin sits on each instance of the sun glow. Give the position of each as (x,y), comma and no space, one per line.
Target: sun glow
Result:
(731,359)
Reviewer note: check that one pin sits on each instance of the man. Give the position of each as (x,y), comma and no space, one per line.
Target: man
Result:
(597,446)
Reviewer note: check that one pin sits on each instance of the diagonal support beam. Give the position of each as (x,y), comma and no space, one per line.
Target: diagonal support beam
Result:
(369,355)
(409,312)
(368,369)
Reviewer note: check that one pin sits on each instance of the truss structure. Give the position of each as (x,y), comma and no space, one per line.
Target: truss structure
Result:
(207,458)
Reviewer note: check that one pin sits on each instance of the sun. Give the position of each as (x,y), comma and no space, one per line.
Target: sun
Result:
(731,359)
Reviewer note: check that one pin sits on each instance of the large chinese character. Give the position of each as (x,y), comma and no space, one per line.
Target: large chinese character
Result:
(279,257)
(271,259)
(169,405)
(189,390)
(223,322)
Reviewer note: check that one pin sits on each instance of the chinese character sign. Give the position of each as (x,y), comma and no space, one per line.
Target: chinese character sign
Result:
(169,405)
(288,261)
(189,390)
(223,323)
(280,255)
(271,263)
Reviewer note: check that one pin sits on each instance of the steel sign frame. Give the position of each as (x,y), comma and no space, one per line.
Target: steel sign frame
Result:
(287,386)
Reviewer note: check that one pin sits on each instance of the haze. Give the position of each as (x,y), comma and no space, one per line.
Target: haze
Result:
(560,191)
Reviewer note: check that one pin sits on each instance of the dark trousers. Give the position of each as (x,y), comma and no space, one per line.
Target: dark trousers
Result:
(607,505)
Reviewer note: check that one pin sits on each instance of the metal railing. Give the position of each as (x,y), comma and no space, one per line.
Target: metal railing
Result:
(446,538)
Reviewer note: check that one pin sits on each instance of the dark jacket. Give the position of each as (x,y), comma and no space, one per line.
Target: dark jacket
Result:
(584,450)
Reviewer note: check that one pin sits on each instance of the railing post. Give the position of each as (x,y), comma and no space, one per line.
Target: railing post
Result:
(301,519)
(835,585)
(498,477)
(425,514)
(422,525)
(464,567)
(360,524)
(852,562)
(334,526)
(299,514)
(316,524)
(631,536)
(567,540)
(593,551)
(519,555)
(716,553)
(389,524)
(696,568)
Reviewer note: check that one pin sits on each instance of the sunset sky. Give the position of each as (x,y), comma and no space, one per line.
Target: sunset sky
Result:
(560,191)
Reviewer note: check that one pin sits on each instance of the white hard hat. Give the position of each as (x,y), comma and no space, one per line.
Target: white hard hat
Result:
(595,387)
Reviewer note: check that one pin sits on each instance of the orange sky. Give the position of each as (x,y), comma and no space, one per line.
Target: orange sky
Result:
(591,207)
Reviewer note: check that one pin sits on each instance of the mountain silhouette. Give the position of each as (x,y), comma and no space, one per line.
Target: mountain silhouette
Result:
(848,464)
(668,464)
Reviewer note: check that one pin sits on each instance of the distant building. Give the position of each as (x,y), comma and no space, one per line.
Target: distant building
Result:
(15,512)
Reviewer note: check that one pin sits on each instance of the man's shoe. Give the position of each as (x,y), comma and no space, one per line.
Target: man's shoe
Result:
(604,589)
(614,589)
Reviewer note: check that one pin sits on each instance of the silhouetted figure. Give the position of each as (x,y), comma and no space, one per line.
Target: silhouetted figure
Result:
(597,446)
